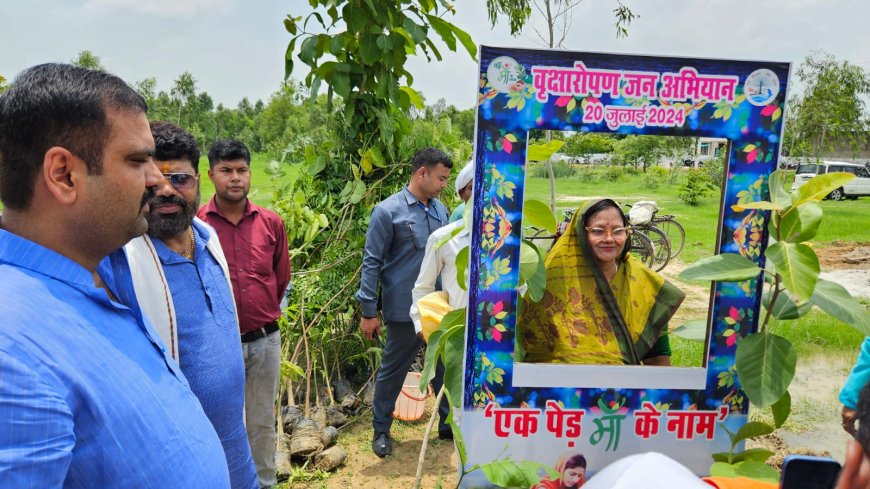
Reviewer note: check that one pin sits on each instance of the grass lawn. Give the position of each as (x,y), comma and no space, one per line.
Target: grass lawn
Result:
(844,221)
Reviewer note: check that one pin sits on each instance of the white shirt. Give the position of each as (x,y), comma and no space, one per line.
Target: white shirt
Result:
(441,262)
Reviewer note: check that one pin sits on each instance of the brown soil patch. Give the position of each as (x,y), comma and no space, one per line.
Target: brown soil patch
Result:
(839,255)
(364,470)
(697,302)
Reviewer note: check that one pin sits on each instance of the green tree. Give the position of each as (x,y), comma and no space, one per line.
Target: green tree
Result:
(87,59)
(183,95)
(3,84)
(640,150)
(830,110)
(583,145)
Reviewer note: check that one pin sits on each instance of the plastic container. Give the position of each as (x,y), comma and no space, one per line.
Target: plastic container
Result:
(411,401)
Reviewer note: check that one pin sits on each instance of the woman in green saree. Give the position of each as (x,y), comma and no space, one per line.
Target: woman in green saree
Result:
(601,305)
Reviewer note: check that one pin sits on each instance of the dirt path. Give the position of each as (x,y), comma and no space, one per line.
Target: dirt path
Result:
(364,470)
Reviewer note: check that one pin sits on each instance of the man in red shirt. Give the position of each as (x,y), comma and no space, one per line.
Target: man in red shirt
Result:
(255,244)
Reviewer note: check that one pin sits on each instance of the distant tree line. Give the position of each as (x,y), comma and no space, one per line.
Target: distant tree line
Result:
(280,127)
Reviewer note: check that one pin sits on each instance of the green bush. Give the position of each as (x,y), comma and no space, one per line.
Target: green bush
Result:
(696,187)
(715,170)
(613,173)
(561,169)
(654,177)
(630,170)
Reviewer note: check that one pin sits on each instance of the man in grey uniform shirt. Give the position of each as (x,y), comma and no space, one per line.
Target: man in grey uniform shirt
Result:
(395,243)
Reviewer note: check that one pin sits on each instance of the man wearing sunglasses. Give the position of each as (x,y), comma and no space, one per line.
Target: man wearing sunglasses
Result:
(182,283)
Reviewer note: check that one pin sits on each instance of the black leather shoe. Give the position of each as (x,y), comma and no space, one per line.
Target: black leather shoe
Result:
(382,445)
(445,435)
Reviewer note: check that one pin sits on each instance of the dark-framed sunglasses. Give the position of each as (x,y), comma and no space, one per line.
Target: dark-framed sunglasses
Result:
(181,181)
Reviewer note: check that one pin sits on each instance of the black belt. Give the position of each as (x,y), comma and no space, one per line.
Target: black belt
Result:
(260,332)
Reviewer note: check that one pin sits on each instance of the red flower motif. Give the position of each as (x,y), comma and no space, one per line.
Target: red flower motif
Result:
(752,156)
(496,335)
(563,101)
(497,307)
(734,313)
(731,340)
(768,110)
(507,145)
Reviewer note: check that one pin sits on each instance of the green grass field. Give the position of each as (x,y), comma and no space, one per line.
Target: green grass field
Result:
(847,220)
(844,221)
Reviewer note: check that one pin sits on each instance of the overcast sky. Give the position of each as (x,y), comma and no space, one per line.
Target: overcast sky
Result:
(235,48)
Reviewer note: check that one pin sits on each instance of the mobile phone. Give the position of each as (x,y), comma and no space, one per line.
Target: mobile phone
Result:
(807,472)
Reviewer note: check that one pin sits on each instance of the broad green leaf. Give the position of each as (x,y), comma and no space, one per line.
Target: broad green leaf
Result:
(371,159)
(316,165)
(466,41)
(800,223)
(433,352)
(781,409)
(725,267)
(453,318)
(538,214)
(462,267)
(454,367)
(750,469)
(529,260)
(757,454)
(751,430)
(443,28)
(765,364)
(308,50)
(369,51)
(519,473)
(759,204)
(785,307)
(797,265)
(836,301)
(416,98)
(416,31)
(537,283)
(819,187)
(754,454)
(543,152)
(778,194)
(759,471)
(340,82)
(358,191)
(695,330)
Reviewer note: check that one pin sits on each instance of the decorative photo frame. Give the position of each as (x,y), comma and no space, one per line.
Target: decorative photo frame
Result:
(516,411)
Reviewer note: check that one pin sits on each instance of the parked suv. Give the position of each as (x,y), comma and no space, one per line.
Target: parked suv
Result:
(860,185)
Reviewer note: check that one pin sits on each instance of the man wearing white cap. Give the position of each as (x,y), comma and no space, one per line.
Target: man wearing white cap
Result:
(464,182)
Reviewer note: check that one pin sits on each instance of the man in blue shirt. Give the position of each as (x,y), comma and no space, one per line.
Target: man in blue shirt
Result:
(395,244)
(88,395)
(197,318)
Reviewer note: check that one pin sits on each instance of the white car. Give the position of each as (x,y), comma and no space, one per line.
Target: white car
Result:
(860,185)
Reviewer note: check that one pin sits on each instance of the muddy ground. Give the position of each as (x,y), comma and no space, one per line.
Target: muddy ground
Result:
(814,427)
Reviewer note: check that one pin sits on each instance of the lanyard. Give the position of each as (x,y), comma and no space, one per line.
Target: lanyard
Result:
(428,213)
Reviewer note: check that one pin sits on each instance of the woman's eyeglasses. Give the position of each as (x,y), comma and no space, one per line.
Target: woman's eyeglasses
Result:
(181,181)
(617,233)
